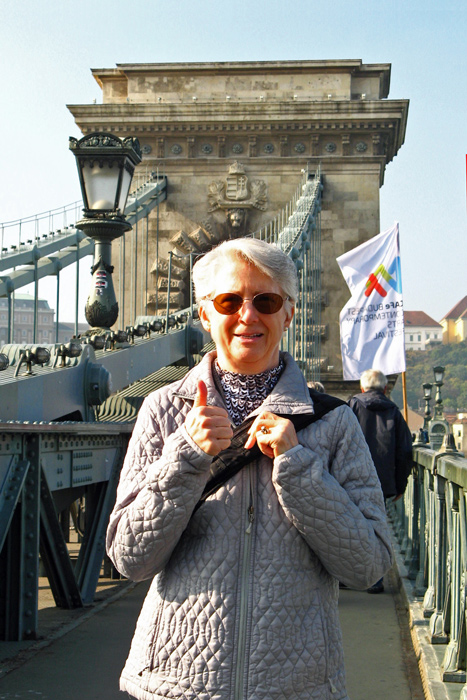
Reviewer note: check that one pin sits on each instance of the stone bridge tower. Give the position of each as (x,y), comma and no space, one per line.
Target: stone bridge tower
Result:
(232,139)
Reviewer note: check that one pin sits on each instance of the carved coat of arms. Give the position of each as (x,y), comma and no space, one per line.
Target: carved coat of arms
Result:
(236,192)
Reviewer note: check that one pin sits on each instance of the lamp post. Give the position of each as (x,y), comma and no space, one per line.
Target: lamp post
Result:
(438,426)
(106,165)
(427,387)
(422,436)
(438,372)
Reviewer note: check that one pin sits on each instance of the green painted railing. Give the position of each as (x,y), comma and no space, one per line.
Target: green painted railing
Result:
(431,527)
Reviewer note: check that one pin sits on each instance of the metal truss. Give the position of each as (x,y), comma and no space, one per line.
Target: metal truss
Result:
(43,472)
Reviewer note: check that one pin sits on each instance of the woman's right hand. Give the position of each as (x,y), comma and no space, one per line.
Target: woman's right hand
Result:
(208,426)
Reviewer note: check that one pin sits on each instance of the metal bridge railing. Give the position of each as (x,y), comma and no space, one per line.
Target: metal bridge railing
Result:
(297,231)
(29,260)
(28,231)
(431,526)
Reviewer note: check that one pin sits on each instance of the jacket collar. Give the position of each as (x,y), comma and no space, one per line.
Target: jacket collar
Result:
(289,396)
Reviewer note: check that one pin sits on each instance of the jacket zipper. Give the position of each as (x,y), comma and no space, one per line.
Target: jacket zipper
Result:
(245,575)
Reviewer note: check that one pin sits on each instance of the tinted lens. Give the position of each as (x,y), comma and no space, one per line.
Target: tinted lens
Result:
(267,303)
(227,303)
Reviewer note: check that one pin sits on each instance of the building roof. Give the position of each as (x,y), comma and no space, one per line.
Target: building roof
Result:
(70,326)
(414,420)
(27,301)
(457,310)
(419,318)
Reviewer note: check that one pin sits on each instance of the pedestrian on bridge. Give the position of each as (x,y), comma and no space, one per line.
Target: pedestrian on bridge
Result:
(247,497)
(388,437)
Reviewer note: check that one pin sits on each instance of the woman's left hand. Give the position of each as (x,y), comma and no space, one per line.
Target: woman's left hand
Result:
(273,435)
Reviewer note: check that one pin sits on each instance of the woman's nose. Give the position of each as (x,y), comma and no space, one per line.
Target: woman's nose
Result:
(247,310)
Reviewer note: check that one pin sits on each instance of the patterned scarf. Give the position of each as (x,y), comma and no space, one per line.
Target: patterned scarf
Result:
(245,392)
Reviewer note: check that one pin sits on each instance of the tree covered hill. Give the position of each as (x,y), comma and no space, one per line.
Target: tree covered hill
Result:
(420,370)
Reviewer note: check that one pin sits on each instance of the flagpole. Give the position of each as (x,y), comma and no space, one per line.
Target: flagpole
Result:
(404,398)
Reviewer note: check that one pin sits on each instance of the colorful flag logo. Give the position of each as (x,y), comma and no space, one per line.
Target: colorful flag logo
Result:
(372,321)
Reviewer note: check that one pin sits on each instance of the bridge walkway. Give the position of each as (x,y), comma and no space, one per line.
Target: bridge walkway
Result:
(80,653)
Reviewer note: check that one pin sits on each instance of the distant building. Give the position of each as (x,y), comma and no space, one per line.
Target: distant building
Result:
(23,325)
(455,323)
(459,430)
(421,331)
(415,420)
(66,330)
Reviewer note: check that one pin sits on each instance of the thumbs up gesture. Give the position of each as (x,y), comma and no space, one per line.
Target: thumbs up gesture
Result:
(208,426)
(201,398)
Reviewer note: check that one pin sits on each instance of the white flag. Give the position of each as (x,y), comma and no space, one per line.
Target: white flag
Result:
(372,321)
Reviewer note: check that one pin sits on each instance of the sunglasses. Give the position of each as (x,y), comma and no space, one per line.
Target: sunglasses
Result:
(266,303)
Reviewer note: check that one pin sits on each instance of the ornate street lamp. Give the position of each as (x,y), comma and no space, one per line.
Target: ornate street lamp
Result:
(106,165)
(427,398)
(439,376)
(439,427)
(427,391)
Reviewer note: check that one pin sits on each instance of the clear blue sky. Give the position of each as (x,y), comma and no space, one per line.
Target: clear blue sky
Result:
(48,49)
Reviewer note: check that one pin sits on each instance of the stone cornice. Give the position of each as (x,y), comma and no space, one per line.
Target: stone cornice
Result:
(313,117)
(270,110)
(382,123)
(346,65)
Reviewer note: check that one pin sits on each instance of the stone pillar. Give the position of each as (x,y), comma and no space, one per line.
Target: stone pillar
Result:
(198,141)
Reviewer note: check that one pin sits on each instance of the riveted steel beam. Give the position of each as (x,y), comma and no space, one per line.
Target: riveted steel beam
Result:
(30,513)
(54,554)
(44,468)
(13,483)
(98,509)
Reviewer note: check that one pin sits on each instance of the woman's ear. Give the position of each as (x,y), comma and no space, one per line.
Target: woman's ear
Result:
(204,318)
(289,316)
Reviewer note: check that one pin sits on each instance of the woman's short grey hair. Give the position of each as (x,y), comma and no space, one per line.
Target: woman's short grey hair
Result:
(373,379)
(268,258)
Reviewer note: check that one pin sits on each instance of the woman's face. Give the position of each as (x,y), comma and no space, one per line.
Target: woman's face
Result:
(247,341)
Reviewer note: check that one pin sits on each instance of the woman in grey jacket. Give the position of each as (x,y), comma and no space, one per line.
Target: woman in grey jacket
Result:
(243,605)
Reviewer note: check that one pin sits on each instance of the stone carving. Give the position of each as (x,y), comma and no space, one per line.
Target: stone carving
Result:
(236,195)
(191,147)
(236,188)
(252,146)
(314,145)
(176,149)
(236,217)
(361,147)
(378,145)
(330,147)
(221,146)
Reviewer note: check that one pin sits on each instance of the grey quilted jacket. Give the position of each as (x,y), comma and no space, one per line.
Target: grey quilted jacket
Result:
(243,605)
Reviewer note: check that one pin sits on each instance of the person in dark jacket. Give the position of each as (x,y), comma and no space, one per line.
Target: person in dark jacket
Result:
(387,435)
